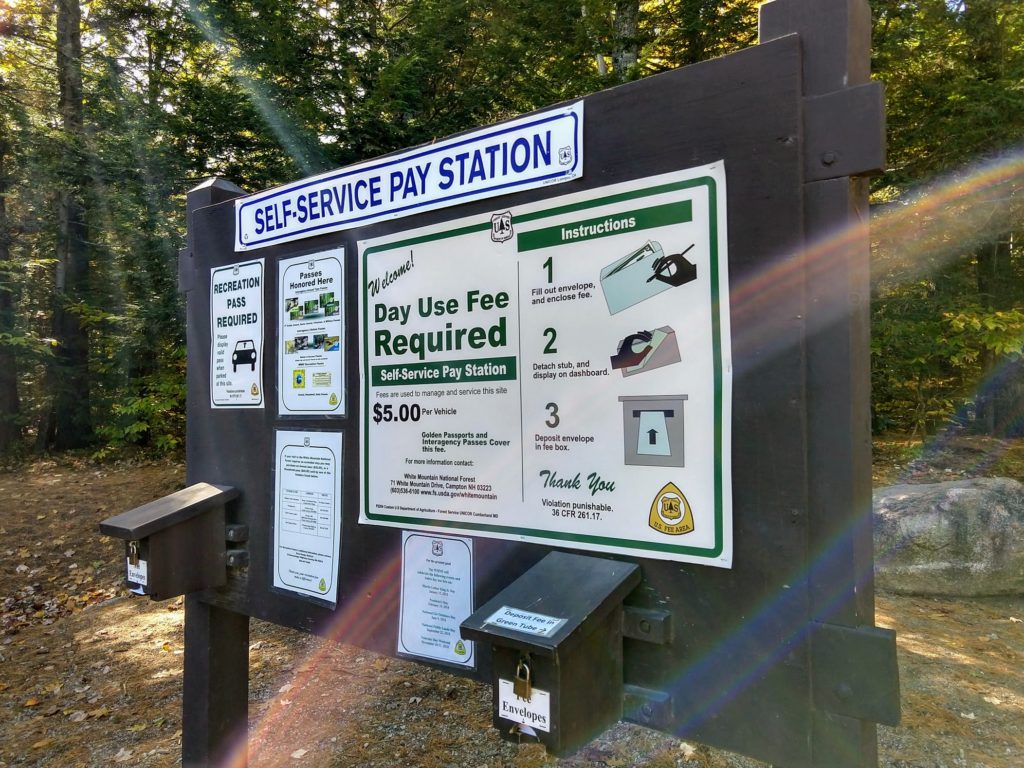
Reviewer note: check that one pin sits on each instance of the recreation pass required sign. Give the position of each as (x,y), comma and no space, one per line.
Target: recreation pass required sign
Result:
(559,372)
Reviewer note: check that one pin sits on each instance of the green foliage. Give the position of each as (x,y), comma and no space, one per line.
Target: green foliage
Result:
(949,257)
(264,91)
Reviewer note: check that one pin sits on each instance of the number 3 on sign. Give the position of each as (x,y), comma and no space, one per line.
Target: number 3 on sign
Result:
(553,418)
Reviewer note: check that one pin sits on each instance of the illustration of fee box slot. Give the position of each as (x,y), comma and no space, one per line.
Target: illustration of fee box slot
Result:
(644,273)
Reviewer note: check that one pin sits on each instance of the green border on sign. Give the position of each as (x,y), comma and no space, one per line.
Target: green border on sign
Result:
(716,343)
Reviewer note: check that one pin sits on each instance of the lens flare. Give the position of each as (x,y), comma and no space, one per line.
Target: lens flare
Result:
(968,208)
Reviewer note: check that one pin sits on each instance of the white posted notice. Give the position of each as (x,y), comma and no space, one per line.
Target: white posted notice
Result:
(310,373)
(236,333)
(307,513)
(557,372)
(437,595)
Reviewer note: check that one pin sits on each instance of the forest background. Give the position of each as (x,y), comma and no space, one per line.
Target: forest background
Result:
(111,110)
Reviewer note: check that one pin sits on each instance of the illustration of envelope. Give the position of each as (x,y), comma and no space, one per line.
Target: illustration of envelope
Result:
(644,273)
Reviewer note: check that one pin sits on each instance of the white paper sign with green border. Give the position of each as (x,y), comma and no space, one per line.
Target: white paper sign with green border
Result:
(558,372)
(310,370)
(307,513)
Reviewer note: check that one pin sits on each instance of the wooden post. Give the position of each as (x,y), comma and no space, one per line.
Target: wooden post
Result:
(216,685)
(844,141)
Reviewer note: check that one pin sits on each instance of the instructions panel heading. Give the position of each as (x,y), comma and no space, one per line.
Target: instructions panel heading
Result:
(533,151)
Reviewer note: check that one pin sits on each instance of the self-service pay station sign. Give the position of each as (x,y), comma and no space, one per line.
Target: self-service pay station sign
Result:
(591,332)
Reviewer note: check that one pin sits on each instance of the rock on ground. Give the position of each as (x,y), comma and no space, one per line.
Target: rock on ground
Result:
(960,538)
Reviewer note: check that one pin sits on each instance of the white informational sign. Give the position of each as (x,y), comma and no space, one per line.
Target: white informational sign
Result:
(437,595)
(532,151)
(558,373)
(534,712)
(236,333)
(307,513)
(310,373)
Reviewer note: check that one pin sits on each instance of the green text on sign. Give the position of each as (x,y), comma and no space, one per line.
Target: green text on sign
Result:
(445,372)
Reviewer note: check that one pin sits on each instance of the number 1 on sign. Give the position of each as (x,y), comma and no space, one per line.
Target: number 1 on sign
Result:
(548,265)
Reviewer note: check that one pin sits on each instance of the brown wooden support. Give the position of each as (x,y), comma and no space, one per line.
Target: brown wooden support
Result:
(216,685)
(843,141)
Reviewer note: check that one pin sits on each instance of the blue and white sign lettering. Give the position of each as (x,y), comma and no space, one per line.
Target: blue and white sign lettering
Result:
(529,152)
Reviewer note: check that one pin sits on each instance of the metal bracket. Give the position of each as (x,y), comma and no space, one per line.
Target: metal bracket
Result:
(855,672)
(236,532)
(844,133)
(647,707)
(646,624)
(237,558)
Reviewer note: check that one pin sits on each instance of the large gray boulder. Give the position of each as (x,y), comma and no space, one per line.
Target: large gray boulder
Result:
(963,538)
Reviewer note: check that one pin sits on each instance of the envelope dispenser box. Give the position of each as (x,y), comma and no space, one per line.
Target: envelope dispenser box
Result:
(556,636)
(176,544)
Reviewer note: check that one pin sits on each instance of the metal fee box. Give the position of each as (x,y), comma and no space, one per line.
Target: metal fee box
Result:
(176,544)
(556,637)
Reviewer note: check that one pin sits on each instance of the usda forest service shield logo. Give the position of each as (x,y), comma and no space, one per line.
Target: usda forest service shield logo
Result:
(670,512)
(501,227)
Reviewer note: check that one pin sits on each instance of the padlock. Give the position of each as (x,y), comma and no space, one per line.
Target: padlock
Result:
(133,553)
(522,686)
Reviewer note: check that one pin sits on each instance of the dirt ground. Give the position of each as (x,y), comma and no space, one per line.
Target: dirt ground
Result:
(91,676)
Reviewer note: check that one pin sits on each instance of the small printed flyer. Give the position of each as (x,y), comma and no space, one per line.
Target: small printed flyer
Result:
(307,513)
(310,373)
(558,372)
(236,335)
(437,595)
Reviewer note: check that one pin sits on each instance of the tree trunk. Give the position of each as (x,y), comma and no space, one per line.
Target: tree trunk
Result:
(627,40)
(1001,391)
(10,406)
(71,425)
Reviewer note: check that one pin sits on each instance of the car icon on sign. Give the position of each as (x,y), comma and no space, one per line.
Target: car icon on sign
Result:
(245,352)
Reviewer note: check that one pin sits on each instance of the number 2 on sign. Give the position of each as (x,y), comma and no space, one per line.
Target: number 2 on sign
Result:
(549,348)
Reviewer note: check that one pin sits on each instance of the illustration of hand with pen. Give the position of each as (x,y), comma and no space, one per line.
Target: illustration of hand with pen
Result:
(674,269)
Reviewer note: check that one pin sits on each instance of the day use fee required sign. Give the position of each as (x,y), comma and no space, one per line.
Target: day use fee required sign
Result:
(558,372)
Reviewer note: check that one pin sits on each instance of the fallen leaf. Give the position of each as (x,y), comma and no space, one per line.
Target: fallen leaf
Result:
(285,688)
(123,755)
(32,702)
(993,700)
(298,754)
(77,716)
(1015,620)
(100,712)
(137,727)
(42,744)
(415,699)
(968,716)
(687,750)
(167,647)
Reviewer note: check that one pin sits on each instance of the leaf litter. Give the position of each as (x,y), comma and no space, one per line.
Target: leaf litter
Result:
(102,668)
